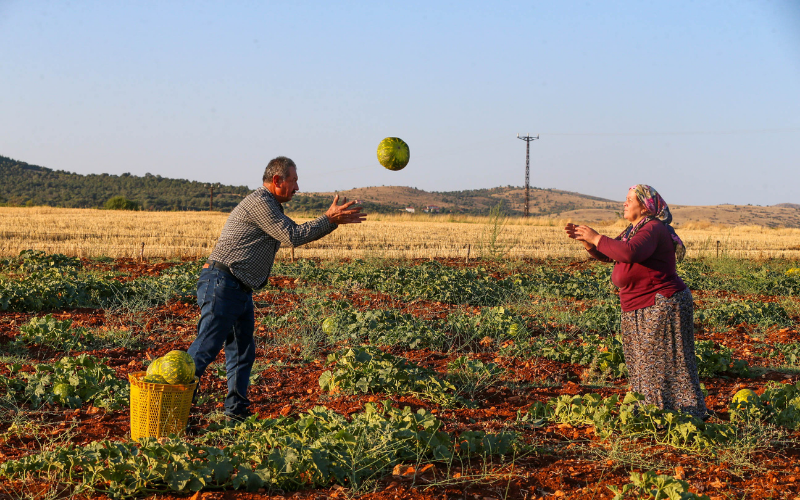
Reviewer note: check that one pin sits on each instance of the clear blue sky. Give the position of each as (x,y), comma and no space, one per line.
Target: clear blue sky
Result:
(699,99)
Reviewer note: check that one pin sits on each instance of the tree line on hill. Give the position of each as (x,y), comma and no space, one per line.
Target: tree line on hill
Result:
(31,185)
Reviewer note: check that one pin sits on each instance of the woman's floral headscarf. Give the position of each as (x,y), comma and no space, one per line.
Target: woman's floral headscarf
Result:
(657,209)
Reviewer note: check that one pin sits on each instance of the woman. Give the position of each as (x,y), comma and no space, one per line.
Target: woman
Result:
(657,309)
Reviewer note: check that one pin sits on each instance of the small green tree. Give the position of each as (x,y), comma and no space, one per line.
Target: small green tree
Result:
(121,203)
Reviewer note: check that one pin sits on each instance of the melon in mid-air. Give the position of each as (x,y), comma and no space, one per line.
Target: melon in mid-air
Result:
(744,397)
(393,153)
(177,367)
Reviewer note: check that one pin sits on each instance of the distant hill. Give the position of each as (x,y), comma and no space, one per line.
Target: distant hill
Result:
(545,202)
(475,201)
(24,184)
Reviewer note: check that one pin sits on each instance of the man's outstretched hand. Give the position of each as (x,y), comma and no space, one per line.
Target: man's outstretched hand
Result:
(343,214)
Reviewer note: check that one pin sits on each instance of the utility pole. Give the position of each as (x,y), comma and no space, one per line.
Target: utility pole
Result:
(211,197)
(527,138)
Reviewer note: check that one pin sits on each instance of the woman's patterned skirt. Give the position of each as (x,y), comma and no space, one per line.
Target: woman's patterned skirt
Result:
(658,343)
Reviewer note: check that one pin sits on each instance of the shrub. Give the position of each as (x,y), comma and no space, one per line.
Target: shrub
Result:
(121,203)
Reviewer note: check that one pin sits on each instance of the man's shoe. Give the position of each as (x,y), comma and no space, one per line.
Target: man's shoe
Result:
(233,419)
(193,425)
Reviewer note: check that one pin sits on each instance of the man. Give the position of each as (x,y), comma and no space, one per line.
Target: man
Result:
(240,263)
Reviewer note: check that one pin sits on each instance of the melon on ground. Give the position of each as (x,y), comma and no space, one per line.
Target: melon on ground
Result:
(62,390)
(744,397)
(329,325)
(393,153)
(177,367)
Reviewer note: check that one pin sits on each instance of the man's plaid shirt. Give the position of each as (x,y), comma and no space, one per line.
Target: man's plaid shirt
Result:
(254,232)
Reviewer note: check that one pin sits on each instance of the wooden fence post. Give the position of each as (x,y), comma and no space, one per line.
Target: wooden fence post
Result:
(141,253)
(718,249)
(466,261)
(292,255)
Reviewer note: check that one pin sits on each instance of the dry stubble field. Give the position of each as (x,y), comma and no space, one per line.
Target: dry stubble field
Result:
(93,233)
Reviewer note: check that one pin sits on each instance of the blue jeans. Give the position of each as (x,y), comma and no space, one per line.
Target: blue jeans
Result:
(226,318)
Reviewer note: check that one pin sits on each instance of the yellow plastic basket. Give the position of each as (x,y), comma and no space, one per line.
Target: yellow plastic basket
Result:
(159,409)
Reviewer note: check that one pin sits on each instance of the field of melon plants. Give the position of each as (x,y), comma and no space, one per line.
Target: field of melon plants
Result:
(397,379)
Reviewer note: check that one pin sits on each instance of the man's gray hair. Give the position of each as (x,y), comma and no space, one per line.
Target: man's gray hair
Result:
(278,166)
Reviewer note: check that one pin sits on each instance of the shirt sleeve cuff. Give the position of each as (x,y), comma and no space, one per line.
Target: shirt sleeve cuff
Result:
(327,224)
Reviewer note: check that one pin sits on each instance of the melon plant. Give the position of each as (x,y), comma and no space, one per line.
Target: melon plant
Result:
(393,153)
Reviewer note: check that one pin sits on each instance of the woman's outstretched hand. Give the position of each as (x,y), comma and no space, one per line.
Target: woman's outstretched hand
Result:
(585,234)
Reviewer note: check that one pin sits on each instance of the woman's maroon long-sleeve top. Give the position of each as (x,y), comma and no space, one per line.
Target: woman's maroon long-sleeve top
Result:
(645,265)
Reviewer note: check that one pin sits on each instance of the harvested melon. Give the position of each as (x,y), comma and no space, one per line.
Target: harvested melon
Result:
(177,367)
(154,367)
(154,379)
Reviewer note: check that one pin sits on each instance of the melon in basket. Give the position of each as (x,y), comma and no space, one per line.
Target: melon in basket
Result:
(154,379)
(177,367)
(154,367)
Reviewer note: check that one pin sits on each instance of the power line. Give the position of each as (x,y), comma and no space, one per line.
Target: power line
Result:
(528,138)
(691,132)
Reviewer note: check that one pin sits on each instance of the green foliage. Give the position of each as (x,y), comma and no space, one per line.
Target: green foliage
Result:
(657,486)
(429,281)
(370,370)
(314,450)
(712,360)
(55,334)
(121,203)
(697,274)
(387,327)
(81,379)
(594,283)
(65,288)
(497,323)
(632,418)
(603,318)
(741,276)
(472,376)
(779,405)
(735,313)
(37,260)
(790,352)
(603,354)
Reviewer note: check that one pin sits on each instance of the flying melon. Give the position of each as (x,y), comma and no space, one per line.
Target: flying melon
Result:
(393,153)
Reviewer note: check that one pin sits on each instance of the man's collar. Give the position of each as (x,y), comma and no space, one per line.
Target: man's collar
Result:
(280,205)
